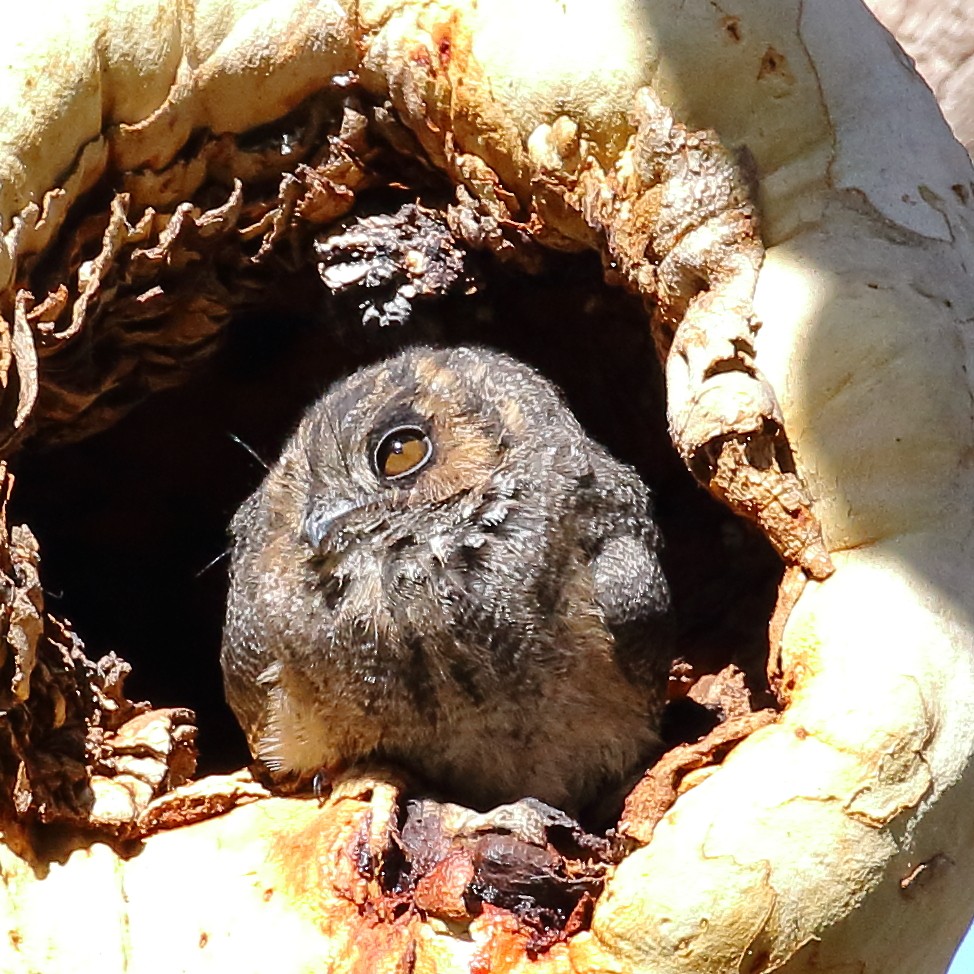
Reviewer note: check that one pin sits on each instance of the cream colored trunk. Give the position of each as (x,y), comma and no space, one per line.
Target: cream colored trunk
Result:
(838,838)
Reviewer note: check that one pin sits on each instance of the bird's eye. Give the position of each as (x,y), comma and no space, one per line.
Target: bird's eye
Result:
(403,451)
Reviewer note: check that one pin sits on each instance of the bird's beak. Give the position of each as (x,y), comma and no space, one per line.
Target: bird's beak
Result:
(322,516)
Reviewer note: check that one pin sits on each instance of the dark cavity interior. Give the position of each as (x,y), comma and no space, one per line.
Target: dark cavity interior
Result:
(129,519)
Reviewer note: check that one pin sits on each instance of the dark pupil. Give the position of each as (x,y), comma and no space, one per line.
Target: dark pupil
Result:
(402,452)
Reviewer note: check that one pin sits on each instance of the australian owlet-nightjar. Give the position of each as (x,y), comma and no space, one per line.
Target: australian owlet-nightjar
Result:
(445,573)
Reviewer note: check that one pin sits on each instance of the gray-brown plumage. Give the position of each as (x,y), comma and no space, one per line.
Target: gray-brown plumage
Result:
(445,573)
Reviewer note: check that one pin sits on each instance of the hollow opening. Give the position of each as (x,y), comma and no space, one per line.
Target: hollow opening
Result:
(129,519)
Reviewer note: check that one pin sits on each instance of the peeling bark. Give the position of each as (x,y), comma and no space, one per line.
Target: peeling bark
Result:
(75,750)
(656,133)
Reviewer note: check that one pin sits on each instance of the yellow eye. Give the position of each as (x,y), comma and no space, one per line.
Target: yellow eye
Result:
(401,452)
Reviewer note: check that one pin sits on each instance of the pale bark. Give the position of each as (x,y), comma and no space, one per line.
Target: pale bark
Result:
(839,837)
(939,36)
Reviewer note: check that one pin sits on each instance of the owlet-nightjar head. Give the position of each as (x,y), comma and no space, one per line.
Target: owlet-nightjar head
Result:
(443,572)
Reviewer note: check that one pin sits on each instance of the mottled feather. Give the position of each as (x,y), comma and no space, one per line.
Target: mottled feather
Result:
(495,619)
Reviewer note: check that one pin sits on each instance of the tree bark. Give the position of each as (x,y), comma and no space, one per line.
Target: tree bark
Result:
(818,381)
(939,36)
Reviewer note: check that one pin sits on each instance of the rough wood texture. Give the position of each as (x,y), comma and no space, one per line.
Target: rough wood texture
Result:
(188,127)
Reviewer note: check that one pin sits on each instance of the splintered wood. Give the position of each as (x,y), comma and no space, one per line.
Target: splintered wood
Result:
(73,748)
(681,228)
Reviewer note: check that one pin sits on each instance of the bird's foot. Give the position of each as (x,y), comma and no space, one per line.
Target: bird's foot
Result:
(378,836)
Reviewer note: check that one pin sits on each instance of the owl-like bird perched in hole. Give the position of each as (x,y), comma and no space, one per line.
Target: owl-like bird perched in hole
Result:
(443,572)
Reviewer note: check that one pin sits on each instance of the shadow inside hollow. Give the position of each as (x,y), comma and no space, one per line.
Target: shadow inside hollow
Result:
(128,519)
